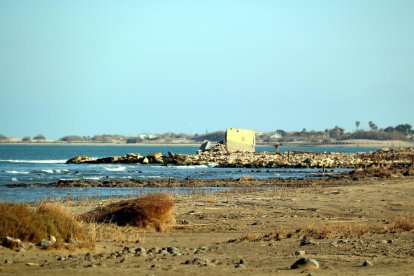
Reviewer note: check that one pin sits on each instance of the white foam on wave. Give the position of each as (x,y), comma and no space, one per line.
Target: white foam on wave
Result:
(91,177)
(17,172)
(192,167)
(47,171)
(14,179)
(35,161)
(116,169)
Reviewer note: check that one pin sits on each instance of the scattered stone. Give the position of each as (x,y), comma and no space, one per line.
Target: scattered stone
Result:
(21,250)
(8,261)
(45,244)
(240,264)
(300,253)
(72,240)
(32,264)
(89,257)
(305,263)
(52,239)
(185,222)
(140,251)
(258,222)
(367,263)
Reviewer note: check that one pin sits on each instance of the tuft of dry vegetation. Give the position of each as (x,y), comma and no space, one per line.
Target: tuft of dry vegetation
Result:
(19,221)
(404,223)
(153,210)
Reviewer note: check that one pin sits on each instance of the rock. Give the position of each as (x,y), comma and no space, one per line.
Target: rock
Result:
(171,154)
(173,251)
(140,251)
(8,261)
(145,160)
(155,157)
(44,244)
(12,243)
(367,263)
(32,264)
(132,158)
(305,263)
(52,239)
(206,145)
(89,257)
(21,250)
(300,253)
(72,240)
(80,159)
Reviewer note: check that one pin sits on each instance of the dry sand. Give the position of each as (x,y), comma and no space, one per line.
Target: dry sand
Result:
(228,233)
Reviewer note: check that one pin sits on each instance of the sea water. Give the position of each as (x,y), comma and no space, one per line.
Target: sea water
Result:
(46,164)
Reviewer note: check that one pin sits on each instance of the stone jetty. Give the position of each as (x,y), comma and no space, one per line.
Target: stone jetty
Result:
(219,157)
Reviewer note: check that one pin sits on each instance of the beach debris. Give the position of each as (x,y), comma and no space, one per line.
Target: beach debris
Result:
(306,264)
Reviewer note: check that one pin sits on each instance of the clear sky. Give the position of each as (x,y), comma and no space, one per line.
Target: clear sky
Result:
(130,67)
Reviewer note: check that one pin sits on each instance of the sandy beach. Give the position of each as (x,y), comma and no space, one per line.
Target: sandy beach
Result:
(250,232)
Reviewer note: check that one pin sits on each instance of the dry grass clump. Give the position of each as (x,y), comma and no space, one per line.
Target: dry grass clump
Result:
(404,223)
(154,210)
(109,232)
(18,221)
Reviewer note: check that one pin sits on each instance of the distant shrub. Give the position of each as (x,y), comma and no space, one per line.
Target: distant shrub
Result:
(27,139)
(74,139)
(375,135)
(154,210)
(39,137)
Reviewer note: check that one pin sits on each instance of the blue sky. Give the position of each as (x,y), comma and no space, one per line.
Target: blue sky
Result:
(129,67)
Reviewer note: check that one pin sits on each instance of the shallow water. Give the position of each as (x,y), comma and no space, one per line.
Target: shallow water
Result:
(46,164)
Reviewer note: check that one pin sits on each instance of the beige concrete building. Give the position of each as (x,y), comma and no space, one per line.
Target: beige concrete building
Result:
(240,140)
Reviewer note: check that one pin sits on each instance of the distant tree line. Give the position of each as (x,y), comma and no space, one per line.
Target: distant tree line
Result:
(399,132)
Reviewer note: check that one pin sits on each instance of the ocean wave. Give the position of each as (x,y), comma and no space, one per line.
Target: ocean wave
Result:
(116,169)
(192,167)
(47,171)
(91,177)
(35,161)
(17,172)
(14,179)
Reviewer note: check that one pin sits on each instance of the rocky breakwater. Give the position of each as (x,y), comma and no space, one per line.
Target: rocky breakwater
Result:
(130,158)
(292,159)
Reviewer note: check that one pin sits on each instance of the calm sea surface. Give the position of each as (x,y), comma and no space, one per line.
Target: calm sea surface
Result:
(46,164)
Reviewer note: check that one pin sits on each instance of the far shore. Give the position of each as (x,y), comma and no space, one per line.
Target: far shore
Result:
(345,144)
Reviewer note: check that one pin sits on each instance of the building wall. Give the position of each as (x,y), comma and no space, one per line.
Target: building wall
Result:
(240,140)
